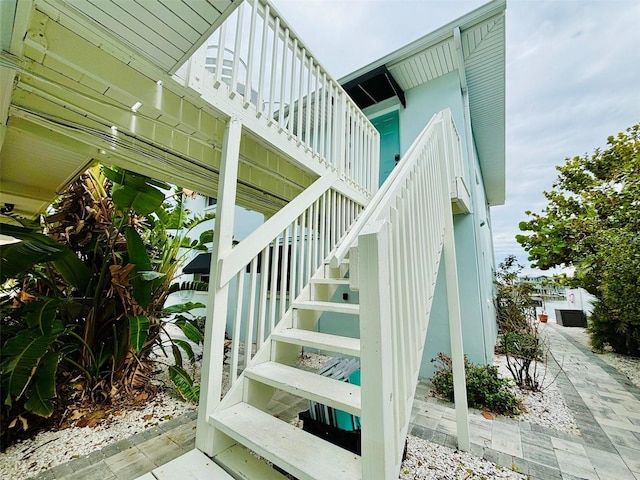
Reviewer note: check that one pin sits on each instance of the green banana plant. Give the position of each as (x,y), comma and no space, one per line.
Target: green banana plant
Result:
(88,292)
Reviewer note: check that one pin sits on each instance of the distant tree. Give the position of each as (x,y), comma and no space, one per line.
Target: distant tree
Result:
(592,222)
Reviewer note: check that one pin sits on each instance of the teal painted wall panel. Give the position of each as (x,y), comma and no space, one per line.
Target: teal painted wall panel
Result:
(388,125)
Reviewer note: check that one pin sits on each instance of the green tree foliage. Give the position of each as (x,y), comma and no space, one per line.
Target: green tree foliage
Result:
(83,294)
(592,222)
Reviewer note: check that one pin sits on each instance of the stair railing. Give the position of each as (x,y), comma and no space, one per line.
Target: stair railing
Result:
(400,240)
(252,283)
(256,56)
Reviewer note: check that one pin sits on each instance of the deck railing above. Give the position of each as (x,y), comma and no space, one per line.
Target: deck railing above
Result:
(255,55)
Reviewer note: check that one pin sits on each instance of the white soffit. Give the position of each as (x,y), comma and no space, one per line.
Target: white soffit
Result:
(165,32)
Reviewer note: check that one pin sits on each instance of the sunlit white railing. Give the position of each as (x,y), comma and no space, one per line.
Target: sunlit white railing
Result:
(271,267)
(256,56)
(394,259)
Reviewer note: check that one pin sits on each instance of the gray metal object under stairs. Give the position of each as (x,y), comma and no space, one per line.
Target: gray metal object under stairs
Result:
(300,454)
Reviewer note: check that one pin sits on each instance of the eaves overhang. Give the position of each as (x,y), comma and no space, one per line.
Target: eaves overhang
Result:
(482,39)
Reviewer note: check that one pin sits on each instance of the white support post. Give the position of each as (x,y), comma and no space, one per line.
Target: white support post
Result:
(378,433)
(453,301)
(213,352)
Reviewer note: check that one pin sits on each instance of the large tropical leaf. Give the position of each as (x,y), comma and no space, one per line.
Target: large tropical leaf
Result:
(124,177)
(35,248)
(44,386)
(136,192)
(21,357)
(186,346)
(138,331)
(42,315)
(185,385)
(139,257)
(142,200)
(189,330)
(183,307)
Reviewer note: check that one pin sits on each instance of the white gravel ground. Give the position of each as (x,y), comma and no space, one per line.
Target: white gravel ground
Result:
(547,407)
(425,460)
(430,461)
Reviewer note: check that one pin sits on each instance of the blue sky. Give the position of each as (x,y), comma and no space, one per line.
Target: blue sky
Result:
(573,76)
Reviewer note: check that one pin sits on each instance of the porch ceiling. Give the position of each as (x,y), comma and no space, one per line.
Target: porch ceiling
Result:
(67,81)
(166,32)
(482,34)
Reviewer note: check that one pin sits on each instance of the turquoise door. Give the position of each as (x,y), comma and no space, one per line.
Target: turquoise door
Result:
(388,126)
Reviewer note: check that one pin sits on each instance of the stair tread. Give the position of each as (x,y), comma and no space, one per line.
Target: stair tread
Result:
(322,341)
(327,391)
(193,465)
(300,453)
(245,465)
(349,308)
(330,281)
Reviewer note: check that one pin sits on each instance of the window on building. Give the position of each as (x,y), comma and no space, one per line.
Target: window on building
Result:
(210,201)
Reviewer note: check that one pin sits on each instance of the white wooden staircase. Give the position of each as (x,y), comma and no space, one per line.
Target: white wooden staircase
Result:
(276,285)
(293,450)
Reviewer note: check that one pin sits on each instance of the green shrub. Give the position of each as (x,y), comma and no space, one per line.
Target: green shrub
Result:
(485,389)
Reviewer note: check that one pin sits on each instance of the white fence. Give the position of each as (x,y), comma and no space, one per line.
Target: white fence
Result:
(256,55)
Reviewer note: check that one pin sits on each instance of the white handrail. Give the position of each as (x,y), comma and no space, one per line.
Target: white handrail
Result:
(397,247)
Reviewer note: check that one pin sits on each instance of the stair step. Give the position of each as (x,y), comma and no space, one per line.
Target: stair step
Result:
(193,465)
(321,341)
(348,308)
(327,391)
(245,465)
(330,281)
(301,454)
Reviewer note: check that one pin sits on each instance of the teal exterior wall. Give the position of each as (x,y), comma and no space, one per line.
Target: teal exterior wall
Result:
(474,247)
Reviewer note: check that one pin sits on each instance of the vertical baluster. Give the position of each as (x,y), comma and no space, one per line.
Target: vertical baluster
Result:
(334,218)
(273,287)
(252,34)
(263,56)
(310,233)
(293,102)
(283,271)
(285,52)
(299,126)
(237,50)
(253,277)
(301,260)
(237,322)
(316,113)
(323,227)
(273,66)
(307,132)
(222,38)
(264,286)
(397,310)
(313,231)
(322,146)
(293,294)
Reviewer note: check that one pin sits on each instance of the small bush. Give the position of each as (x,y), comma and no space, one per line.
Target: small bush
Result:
(485,389)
